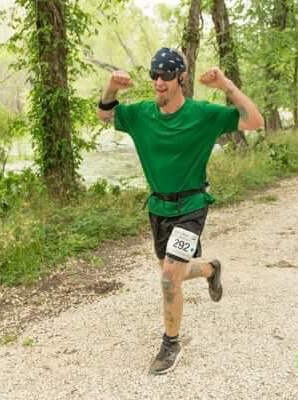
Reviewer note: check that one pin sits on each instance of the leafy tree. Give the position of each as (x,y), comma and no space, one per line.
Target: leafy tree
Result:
(48,39)
(265,35)
(52,96)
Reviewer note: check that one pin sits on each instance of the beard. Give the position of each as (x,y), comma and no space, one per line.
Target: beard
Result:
(162,101)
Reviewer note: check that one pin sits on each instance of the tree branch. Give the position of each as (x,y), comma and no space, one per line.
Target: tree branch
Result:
(149,48)
(103,65)
(8,77)
(126,49)
(123,45)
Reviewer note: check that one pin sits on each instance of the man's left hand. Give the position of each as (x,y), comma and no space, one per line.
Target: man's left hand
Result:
(214,78)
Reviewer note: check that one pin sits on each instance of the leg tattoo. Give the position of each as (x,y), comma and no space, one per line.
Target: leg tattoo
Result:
(168,288)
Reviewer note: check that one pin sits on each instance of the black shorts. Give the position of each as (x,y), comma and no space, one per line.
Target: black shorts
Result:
(162,228)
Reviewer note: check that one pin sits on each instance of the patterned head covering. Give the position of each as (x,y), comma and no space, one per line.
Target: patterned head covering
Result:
(167,60)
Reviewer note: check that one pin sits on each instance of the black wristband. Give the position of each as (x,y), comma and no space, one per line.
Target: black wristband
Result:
(108,106)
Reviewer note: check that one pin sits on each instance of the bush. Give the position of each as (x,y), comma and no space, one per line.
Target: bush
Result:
(233,174)
(17,188)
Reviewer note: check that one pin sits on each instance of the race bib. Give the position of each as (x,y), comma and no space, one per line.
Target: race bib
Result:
(182,243)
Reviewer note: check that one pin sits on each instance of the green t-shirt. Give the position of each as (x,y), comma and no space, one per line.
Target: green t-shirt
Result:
(174,148)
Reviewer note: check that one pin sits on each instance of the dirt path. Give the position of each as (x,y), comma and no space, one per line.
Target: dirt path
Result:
(243,348)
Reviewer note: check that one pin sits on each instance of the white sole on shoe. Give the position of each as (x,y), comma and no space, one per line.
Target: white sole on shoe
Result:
(172,367)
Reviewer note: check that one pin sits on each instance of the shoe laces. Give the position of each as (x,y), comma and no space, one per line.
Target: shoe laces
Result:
(165,349)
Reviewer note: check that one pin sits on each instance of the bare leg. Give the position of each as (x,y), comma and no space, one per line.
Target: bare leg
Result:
(172,277)
(196,268)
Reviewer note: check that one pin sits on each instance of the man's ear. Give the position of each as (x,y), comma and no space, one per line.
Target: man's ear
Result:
(183,77)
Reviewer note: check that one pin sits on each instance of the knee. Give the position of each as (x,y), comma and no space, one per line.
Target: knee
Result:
(170,282)
(167,282)
(169,287)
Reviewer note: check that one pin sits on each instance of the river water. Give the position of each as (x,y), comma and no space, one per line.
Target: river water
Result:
(114,159)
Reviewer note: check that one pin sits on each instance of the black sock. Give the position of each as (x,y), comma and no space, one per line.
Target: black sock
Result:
(169,340)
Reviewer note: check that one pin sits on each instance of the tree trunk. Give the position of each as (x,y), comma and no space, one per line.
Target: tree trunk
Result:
(56,148)
(295,78)
(272,121)
(272,117)
(18,101)
(227,58)
(191,43)
(295,85)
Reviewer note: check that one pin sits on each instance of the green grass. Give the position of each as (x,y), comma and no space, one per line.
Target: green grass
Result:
(234,175)
(43,236)
(267,199)
(37,234)
(28,342)
(8,339)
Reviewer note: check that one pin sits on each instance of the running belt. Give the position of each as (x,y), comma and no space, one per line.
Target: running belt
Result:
(176,197)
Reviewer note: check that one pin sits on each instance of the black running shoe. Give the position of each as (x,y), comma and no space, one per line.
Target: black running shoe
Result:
(167,359)
(215,287)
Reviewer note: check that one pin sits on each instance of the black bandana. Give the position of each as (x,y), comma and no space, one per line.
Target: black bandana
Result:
(167,60)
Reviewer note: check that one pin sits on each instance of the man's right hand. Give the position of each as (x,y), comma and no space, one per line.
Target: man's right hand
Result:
(120,80)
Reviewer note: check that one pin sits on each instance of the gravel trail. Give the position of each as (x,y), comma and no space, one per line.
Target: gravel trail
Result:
(243,348)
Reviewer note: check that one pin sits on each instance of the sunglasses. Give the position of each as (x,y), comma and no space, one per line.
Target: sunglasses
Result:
(164,75)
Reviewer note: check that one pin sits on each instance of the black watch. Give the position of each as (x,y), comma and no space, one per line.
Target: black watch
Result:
(108,106)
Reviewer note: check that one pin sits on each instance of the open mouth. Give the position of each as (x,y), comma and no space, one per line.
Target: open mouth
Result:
(161,92)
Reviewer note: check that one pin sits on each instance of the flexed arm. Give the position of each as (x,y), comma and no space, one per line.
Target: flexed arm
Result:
(119,80)
(250,116)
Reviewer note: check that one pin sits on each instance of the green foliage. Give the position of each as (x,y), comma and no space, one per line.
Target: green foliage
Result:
(37,233)
(8,339)
(28,342)
(279,154)
(266,51)
(233,174)
(16,188)
(174,18)
(4,124)
(46,101)
(112,9)
(99,187)
(267,199)
(12,126)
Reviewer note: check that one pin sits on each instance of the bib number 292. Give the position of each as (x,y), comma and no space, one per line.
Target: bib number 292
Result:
(182,243)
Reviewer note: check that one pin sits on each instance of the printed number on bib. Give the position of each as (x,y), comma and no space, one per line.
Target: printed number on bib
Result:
(182,243)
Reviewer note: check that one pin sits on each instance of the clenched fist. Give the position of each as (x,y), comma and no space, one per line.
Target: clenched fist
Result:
(120,80)
(214,78)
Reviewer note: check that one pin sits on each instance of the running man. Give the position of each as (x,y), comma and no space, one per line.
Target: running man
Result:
(174,137)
